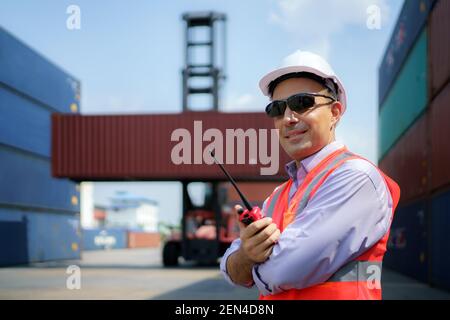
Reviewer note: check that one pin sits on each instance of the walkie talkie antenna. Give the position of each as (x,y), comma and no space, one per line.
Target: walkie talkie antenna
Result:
(246,203)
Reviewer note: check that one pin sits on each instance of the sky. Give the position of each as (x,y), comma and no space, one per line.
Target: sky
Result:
(128,56)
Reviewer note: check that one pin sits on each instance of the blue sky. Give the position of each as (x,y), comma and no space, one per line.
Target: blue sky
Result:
(128,56)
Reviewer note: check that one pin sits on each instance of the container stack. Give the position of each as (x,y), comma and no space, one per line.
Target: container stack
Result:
(39,215)
(414,131)
(118,238)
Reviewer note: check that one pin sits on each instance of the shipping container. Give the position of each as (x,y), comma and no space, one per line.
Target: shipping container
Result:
(407,250)
(49,236)
(30,74)
(140,239)
(407,163)
(439,35)
(26,181)
(24,124)
(440,133)
(13,243)
(410,24)
(440,240)
(104,238)
(143,147)
(255,192)
(407,99)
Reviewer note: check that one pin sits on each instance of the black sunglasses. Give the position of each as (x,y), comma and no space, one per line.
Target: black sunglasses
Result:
(297,103)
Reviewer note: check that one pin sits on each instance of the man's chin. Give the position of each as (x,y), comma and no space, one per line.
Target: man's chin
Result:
(298,152)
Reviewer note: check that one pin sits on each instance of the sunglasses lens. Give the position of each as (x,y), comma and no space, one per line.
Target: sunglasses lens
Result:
(296,103)
(308,101)
(276,109)
(301,102)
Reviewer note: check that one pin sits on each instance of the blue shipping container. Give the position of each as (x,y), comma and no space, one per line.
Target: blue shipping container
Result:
(440,241)
(24,124)
(13,243)
(25,180)
(31,74)
(408,242)
(412,20)
(105,238)
(50,236)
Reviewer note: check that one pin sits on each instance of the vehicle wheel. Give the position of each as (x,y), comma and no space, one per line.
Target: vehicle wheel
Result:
(170,254)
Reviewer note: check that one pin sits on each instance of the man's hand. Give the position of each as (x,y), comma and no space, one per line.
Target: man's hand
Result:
(257,239)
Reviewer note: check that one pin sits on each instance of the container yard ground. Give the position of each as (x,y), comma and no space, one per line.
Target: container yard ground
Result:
(138,274)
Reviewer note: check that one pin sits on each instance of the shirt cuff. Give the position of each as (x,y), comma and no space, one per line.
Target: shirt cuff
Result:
(263,287)
(224,271)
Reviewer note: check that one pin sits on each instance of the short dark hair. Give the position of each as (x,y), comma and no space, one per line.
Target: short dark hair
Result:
(326,82)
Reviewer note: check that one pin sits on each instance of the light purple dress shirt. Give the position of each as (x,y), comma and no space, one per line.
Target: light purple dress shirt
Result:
(349,213)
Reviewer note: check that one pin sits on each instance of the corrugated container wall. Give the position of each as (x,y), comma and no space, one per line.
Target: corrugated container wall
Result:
(148,147)
(49,235)
(419,159)
(407,162)
(408,242)
(440,240)
(29,74)
(440,139)
(104,238)
(13,232)
(255,192)
(407,98)
(410,24)
(439,27)
(139,239)
(43,210)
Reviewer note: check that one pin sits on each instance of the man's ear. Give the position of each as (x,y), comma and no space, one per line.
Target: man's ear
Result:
(336,112)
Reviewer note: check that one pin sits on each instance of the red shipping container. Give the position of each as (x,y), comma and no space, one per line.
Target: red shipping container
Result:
(140,147)
(407,163)
(439,46)
(440,139)
(137,239)
(255,192)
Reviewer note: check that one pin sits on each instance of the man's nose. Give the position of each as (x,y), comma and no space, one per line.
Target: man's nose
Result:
(290,117)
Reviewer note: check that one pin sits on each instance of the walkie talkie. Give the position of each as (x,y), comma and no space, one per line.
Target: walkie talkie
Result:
(245,216)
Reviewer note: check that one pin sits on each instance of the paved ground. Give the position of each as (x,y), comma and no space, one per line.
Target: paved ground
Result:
(138,274)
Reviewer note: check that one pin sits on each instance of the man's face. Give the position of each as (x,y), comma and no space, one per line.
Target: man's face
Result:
(302,134)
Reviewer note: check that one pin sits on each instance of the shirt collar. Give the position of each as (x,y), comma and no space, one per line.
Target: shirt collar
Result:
(310,162)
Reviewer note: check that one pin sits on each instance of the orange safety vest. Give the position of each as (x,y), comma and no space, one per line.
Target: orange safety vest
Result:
(354,280)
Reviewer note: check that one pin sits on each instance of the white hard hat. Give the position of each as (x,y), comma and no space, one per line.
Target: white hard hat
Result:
(304,61)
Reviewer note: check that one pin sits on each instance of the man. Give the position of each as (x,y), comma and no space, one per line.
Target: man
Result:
(325,230)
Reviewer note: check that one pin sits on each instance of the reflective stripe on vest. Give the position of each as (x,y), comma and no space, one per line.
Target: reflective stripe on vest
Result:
(274,199)
(313,184)
(298,205)
(358,271)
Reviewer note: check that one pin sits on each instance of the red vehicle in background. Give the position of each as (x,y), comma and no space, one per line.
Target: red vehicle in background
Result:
(198,239)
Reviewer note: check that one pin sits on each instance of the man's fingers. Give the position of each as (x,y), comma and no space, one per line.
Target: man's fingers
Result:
(256,226)
(265,233)
(270,241)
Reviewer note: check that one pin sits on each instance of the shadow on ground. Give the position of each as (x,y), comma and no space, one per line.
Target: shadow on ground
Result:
(210,289)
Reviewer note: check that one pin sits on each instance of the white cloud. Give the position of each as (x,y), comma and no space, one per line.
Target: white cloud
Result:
(313,23)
